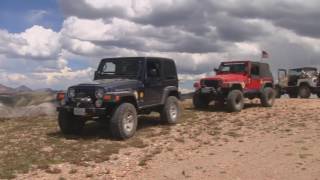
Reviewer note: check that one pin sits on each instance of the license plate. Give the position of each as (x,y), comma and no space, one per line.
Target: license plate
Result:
(79,111)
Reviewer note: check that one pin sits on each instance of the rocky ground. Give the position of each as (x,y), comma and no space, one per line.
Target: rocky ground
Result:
(258,143)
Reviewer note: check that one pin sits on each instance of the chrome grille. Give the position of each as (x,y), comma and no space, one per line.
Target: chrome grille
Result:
(83,93)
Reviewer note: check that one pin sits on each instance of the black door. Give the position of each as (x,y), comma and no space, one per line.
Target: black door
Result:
(153,83)
(169,74)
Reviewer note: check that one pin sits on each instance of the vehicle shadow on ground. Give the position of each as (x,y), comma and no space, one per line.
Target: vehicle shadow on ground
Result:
(213,108)
(96,130)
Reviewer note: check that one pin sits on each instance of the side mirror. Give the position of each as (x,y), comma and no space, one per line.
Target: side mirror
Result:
(215,70)
(96,75)
(196,85)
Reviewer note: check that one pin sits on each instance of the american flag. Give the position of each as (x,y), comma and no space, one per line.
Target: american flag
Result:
(265,54)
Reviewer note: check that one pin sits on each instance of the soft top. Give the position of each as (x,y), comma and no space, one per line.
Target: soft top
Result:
(264,69)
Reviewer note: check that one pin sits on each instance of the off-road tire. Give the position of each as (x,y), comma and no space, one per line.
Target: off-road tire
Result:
(124,121)
(70,124)
(318,94)
(199,102)
(293,95)
(304,92)
(171,111)
(235,101)
(268,96)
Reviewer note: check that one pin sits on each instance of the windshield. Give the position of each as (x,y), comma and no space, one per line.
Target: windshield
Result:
(232,68)
(119,68)
(294,72)
(297,72)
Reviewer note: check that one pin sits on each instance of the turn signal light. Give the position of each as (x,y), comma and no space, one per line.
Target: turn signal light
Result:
(60,96)
(111,98)
(107,97)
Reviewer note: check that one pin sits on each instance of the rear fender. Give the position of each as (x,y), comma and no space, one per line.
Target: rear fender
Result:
(170,91)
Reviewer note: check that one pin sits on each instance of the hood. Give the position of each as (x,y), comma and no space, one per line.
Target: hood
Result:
(227,77)
(111,85)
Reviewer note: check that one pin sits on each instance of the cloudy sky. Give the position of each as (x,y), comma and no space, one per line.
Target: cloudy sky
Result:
(59,43)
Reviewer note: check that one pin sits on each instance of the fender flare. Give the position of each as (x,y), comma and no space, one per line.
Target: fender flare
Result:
(167,91)
(126,94)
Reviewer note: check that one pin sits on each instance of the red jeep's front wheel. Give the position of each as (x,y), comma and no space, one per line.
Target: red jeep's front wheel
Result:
(235,101)
(198,101)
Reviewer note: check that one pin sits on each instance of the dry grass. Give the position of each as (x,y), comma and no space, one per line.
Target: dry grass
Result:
(37,143)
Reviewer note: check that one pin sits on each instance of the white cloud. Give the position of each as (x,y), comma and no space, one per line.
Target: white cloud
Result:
(197,35)
(36,43)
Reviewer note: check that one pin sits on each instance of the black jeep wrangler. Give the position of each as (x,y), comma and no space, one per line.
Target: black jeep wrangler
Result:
(123,88)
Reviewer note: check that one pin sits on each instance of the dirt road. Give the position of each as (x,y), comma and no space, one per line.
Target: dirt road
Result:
(282,142)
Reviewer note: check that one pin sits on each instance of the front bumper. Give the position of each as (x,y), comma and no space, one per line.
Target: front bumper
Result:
(87,111)
(208,90)
(211,93)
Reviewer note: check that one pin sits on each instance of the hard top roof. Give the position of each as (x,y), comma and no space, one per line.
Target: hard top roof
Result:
(245,61)
(138,57)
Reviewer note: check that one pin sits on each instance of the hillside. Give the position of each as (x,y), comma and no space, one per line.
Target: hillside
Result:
(258,143)
(5,90)
(27,104)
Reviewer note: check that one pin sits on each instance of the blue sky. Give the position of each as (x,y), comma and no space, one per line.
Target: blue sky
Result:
(17,15)
(58,43)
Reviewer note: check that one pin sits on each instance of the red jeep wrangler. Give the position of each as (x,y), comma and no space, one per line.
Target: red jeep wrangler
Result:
(233,82)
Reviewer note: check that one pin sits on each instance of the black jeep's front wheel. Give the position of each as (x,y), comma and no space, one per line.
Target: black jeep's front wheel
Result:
(124,121)
(304,92)
(171,110)
(70,124)
(268,97)
(235,101)
(198,101)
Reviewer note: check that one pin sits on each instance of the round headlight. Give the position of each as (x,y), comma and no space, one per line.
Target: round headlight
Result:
(71,93)
(99,93)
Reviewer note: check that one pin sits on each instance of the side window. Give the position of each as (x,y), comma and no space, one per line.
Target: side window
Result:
(109,68)
(255,70)
(169,70)
(153,70)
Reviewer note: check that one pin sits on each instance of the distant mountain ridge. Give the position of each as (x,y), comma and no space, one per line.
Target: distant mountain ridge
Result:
(21,89)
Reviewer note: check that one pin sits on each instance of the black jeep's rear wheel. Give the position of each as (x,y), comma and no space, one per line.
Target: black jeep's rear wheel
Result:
(171,110)
(304,92)
(268,97)
(198,101)
(318,94)
(235,101)
(123,123)
(70,124)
